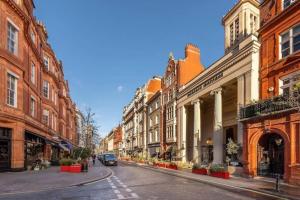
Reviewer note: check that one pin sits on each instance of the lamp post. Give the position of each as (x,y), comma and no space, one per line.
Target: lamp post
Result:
(278,142)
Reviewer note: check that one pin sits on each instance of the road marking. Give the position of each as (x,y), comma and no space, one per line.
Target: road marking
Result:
(113,187)
(117,191)
(134,195)
(120,196)
(128,190)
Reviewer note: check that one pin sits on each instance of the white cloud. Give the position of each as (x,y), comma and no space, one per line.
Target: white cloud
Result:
(120,88)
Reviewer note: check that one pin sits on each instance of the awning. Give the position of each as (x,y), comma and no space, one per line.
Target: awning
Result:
(63,147)
(67,144)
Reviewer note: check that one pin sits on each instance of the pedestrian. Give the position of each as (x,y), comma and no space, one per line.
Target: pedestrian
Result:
(94,159)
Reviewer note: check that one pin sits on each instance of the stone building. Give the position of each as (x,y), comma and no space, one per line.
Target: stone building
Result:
(208,105)
(272,130)
(80,129)
(37,115)
(118,140)
(154,123)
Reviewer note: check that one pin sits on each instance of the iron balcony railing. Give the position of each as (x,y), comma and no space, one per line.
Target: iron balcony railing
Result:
(271,106)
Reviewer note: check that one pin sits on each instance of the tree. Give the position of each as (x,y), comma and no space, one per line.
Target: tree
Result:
(90,129)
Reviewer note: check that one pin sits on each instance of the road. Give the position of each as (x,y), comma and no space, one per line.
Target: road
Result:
(132,182)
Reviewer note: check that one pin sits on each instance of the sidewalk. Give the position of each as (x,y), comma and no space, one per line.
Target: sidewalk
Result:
(286,191)
(52,178)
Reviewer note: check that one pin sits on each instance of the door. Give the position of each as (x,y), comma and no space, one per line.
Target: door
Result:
(5,152)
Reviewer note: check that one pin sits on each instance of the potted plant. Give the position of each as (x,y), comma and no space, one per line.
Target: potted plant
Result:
(75,168)
(65,164)
(219,171)
(199,169)
(82,155)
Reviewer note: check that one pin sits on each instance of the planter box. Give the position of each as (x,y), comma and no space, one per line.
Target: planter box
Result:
(75,168)
(174,167)
(200,171)
(65,168)
(224,175)
(162,165)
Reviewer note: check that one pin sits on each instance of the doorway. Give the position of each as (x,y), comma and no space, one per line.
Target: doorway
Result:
(270,155)
(5,149)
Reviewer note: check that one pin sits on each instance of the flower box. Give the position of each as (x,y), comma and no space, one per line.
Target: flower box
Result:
(200,171)
(162,165)
(224,175)
(65,168)
(172,167)
(75,168)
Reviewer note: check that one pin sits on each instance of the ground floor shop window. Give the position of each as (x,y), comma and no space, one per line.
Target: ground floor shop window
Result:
(5,149)
(34,150)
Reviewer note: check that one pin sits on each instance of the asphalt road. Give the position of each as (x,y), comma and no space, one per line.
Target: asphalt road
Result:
(132,182)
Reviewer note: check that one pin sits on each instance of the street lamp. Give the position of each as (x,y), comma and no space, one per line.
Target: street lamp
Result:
(278,142)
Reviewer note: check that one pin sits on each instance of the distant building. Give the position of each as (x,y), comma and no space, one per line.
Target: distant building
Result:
(80,129)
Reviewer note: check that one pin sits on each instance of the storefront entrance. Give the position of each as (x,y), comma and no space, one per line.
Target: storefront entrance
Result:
(270,155)
(34,150)
(5,149)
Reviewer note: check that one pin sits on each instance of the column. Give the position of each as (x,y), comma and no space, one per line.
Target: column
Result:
(174,122)
(218,128)
(183,131)
(240,103)
(197,130)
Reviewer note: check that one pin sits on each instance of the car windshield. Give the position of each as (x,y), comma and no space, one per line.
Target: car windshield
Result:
(110,156)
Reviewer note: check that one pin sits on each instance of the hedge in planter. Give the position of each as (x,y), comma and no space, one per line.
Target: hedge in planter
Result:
(198,169)
(219,171)
(65,164)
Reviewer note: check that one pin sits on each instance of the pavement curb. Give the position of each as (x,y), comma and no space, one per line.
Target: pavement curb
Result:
(91,181)
(219,185)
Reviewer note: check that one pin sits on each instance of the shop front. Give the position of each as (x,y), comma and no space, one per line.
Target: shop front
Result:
(5,149)
(153,150)
(34,150)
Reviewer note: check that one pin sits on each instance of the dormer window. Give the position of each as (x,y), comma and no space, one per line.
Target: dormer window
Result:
(287,3)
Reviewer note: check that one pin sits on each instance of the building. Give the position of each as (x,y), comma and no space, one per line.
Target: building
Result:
(154,128)
(118,140)
(128,127)
(135,118)
(37,115)
(271,125)
(110,142)
(177,74)
(208,105)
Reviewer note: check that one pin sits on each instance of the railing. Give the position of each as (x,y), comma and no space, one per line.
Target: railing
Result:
(271,106)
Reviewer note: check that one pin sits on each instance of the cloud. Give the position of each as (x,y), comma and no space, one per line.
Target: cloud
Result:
(120,88)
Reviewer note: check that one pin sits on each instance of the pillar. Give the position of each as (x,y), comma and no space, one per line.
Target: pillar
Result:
(240,103)
(218,128)
(183,118)
(197,131)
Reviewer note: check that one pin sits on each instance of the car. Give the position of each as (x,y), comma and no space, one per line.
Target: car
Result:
(110,159)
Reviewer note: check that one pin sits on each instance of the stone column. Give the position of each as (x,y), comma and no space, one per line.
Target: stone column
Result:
(218,128)
(197,130)
(183,118)
(240,103)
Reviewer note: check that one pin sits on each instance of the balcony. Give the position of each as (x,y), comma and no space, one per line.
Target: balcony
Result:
(271,106)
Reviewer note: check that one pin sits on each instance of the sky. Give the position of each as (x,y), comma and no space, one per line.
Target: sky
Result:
(111,47)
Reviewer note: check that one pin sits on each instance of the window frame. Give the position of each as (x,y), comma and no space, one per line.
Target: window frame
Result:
(46,96)
(291,36)
(15,90)
(15,50)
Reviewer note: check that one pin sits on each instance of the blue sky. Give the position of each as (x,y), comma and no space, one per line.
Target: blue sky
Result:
(110,47)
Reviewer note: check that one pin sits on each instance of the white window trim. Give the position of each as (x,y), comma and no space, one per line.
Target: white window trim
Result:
(16,89)
(291,39)
(33,78)
(32,98)
(282,4)
(12,23)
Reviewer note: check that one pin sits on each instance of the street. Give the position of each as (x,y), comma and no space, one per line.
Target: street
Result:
(132,182)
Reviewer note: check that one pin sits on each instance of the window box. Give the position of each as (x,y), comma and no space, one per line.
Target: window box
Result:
(172,166)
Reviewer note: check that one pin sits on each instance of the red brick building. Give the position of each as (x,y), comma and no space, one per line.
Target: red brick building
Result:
(272,125)
(37,115)
(117,132)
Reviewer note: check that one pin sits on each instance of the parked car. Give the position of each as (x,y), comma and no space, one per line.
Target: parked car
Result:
(110,159)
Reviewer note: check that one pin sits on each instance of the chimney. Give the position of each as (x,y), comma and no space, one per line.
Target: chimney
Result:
(192,51)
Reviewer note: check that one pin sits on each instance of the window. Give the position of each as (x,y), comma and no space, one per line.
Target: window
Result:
(237,28)
(54,122)
(150,122)
(46,89)
(231,34)
(45,117)
(12,39)
(290,41)
(11,90)
(32,106)
(156,119)
(288,83)
(32,36)
(32,76)
(46,62)
(287,3)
